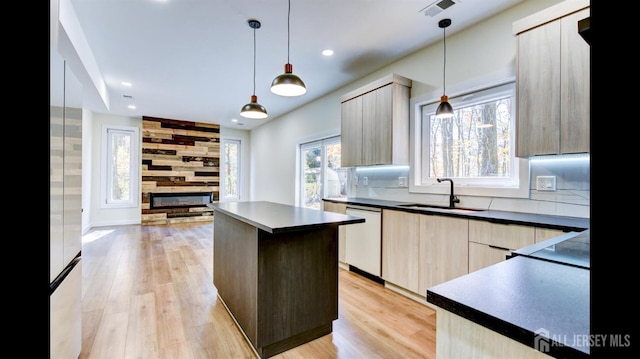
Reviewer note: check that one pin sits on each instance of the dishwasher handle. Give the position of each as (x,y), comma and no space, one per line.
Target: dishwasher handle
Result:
(364,208)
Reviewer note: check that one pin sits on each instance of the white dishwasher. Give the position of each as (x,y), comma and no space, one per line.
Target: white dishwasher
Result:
(363,245)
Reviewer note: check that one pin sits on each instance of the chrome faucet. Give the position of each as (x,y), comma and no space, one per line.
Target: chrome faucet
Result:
(453,199)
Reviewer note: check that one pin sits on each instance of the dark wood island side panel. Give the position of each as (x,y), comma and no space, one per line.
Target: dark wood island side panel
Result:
(281,288)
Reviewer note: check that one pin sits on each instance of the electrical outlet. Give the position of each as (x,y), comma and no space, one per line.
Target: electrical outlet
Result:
(365,181)
(402,181)
(546,183)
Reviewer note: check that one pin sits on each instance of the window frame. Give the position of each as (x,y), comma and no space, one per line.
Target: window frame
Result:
(478,187)
(107,164)
(322,141)
(223,173)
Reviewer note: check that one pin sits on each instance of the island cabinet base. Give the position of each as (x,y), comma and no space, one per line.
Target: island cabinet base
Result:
(457,337)
(281,288)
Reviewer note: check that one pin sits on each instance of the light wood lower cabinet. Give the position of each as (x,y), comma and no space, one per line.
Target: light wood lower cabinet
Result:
(490,243)
(457,337)
(401,249)
(338,208)
(542,234)
(420,251)
(444,250)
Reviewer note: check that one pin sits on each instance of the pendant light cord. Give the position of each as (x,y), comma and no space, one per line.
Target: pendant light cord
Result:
(444,67)
(288,31)
(254,61)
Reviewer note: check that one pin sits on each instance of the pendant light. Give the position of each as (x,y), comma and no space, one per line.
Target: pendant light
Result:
(288,84)
(444,109)
(253,109)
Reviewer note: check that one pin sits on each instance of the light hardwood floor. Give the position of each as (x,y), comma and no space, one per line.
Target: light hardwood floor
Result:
(148,293)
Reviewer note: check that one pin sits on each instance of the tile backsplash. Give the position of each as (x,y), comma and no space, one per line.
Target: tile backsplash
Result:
(570,198)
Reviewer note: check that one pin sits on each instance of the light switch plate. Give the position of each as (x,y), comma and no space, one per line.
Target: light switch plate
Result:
(546,183)
(365,181)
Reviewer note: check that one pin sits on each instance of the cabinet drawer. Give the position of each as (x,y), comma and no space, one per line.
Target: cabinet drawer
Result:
(508,236)
(482,255)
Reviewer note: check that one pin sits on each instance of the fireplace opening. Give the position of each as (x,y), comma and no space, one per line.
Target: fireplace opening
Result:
(179,200)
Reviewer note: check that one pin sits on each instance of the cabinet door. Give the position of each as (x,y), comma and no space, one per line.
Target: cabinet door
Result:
(400,248)
(338,208)
(377,126)
(351,132)
(543,234)
(444,250)
(575,86)
(508,236)
(538,91)
(490,243)
(484,255)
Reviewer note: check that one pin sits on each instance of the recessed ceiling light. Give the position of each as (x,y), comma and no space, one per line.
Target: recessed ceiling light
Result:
(132,107)
(327,52)
(234,120)
(125,83)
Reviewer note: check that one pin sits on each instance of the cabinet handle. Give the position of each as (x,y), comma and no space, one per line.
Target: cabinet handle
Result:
(502,248)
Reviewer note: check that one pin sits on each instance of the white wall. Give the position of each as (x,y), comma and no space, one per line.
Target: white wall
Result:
(109,216)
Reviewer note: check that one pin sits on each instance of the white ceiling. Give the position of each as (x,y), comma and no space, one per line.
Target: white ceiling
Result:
(192,60)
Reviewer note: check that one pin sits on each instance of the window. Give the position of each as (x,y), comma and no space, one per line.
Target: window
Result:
(320,173)
(231,169)
(475,148)
(120,164)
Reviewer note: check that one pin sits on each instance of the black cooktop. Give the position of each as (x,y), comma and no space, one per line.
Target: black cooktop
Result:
(570,249)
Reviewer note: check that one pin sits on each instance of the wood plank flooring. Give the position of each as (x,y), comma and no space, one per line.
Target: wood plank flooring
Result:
(148,293)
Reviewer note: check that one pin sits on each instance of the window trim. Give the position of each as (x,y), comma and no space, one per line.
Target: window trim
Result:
(134,168)
(298,167)
(223,176)
(415,128)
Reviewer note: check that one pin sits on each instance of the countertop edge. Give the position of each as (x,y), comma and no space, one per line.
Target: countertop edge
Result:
(344,219)
(509,330)
(564,223)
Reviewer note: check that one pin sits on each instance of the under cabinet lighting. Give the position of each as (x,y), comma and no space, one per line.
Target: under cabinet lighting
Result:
(556,158)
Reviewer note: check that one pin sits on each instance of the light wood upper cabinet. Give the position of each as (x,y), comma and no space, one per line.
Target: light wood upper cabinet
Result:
(375,123)
(553,81)
(351,132)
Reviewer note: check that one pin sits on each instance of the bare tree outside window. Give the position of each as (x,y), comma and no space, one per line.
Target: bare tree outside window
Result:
(477,143)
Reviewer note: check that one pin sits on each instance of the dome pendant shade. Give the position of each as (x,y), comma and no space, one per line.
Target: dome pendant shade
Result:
(288,84)
(253,109)
(444,109)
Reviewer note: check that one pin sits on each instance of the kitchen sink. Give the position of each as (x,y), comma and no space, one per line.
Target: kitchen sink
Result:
(431,206)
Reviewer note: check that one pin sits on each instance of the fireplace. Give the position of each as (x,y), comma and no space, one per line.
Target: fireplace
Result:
(179,200)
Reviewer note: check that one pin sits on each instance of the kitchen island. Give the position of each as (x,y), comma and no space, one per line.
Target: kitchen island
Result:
(275,267)
(534,305)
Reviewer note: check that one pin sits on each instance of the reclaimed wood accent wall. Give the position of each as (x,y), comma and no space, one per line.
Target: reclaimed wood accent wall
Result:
(177,157)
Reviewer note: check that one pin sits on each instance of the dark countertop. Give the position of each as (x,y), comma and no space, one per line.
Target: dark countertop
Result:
(277,218)
(564,223)
(525,299)
(571,249)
